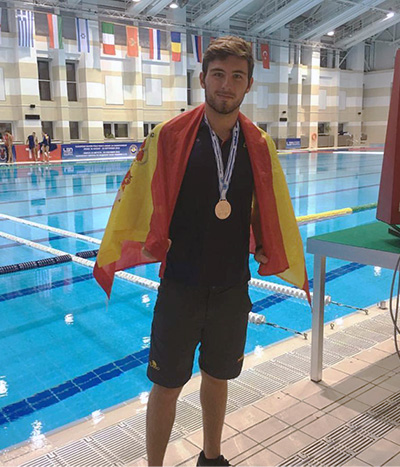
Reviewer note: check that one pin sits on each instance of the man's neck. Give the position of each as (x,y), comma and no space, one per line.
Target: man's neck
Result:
(222,124)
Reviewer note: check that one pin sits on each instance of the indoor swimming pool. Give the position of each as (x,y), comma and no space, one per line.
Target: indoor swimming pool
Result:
(65,353)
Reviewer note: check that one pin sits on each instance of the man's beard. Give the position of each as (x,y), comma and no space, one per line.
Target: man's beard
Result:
(223,107)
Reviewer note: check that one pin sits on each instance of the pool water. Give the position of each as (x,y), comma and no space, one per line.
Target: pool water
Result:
(66,353)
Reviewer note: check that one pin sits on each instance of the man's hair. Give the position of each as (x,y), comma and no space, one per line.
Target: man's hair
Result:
(223,47)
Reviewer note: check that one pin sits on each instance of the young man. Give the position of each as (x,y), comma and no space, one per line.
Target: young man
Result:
(45,146)
(32,143)
(8,141)
(198,185)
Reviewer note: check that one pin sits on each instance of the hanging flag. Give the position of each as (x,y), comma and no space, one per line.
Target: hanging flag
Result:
(265,55)
(155,44)
(197,48)
(132,41)
(108,38)
(82,34)
(176,46)
(25,27)
(55,31)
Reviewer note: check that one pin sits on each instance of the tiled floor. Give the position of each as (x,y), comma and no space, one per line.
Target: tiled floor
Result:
(351,418)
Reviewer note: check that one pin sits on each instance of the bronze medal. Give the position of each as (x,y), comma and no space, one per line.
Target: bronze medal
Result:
(223,209)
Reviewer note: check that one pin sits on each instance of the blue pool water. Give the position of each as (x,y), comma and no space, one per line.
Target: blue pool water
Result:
(65,353)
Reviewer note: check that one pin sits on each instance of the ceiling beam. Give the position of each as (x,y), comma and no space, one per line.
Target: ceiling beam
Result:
(323,27)
(137,8)
(158,7)
(369,31)
(230,11)
(284,15)
(220,8)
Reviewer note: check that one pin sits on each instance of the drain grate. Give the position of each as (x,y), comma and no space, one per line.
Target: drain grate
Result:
(387,411)
(242,395)
(295,363)
(371,425)
(43,461)
(295,461)
(80,454)
(321,453)
(344,350)
(379,328)
(328,358)
(279,372)
(119,444)
(368,334)
(352,340)
(349,440)
(260,382)
(136,425)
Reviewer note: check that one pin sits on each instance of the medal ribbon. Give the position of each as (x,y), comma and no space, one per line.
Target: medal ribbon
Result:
(224,179)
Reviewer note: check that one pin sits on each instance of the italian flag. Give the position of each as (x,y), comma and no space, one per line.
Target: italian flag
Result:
(55,31)
(108,38)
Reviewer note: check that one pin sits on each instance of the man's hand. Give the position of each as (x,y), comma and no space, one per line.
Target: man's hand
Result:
(149,255)
(260,257)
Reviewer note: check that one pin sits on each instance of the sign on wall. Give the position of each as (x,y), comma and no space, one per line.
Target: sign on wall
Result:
(99,150)
(293,143)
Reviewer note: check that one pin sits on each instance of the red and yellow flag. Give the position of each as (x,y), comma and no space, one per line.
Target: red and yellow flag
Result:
(132,41)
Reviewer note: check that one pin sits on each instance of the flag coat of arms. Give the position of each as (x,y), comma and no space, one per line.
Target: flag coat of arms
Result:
(265,55)
(132,41)
(176,46)
(25,27)
(108,38)
(55,31)
(155,44)
(82,35)
(197,48)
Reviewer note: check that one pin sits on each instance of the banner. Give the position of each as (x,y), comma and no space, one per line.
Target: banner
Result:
(99,150)
(197,48)
(82,34)
(265,55)
(108,38)
(25,28)
(132,41)
(55,31)
(155,44)
(176,46)
(293,143)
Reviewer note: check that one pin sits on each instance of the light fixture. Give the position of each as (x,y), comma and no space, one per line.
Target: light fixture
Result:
(331,33)
(173,5)
(390,15)
(136,1)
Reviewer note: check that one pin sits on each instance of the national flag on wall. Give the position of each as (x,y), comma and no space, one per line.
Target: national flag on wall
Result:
(55,31)
(108,38)
(132,41)
(155,44)
(82,34)
(197,42)
(25,28)
(265,55)
(176,46)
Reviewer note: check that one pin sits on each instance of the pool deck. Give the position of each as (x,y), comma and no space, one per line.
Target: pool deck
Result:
(351,418)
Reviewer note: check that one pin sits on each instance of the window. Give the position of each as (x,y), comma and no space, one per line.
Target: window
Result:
(147,127)
(44,80)
(324,128)
(115,130)
(343,60)
(263,126)
(71,81)
(5,126)
(189,87)
(323,58)
(47,127)
(74,130)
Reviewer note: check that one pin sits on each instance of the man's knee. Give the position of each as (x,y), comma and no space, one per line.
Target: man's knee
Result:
(211,380)
(167,394)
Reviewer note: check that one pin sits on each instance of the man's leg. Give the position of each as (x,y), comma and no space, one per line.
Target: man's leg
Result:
(161,409)
(213,397)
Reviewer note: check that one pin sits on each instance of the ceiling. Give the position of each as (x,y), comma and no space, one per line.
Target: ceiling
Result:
(297,21)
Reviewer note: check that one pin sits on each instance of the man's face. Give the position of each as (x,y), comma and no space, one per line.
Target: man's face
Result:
(226,83)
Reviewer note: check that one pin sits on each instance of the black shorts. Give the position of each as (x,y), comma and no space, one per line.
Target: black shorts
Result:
(184,316)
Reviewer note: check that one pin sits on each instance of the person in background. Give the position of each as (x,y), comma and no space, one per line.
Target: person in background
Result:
(205,190)
(45,145)
(8,141)
(32,142)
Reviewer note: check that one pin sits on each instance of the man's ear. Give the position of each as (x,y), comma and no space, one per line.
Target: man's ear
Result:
(202,80)
(250,85)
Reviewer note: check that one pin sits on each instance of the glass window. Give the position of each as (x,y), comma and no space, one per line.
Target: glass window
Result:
(74,130)
(44,80)
(47,127)
(4,126)
(71,81)
(121,130)
(107,130)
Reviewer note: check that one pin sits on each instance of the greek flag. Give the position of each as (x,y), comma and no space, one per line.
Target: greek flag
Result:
(25,27)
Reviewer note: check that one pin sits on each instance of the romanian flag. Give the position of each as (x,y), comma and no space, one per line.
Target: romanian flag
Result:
(155,44)
(108,38)
(176,46)
(132,41)
(145,203)
(55,31)
(197,42)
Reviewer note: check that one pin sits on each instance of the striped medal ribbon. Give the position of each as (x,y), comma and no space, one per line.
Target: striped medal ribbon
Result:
(223,208)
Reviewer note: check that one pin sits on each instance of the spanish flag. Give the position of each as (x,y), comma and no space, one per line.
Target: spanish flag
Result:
(145,203)
(176,46)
